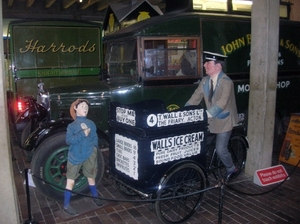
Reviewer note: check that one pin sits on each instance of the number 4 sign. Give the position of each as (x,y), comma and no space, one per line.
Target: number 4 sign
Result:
(151,120)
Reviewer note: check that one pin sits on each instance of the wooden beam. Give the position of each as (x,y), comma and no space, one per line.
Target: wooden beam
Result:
(49,3)
(102,5)
(68,3)
(162,6)
(88,3)
(10,3)
(154,2)
(29,3)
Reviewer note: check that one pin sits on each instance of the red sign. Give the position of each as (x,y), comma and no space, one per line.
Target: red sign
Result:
(270,175)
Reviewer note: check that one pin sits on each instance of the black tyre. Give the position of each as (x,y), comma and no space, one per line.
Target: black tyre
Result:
(19,126)
(187,178)
(49,164)
(237,147)
(25,133)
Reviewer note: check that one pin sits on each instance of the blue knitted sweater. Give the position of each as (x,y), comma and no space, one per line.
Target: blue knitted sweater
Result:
(81,146)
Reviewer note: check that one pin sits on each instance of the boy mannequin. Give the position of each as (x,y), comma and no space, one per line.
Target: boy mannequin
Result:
(83,140)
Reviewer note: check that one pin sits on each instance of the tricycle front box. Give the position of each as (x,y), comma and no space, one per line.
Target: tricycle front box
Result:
(147,140)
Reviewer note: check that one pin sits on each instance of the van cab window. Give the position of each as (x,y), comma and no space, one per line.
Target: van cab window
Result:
(169,58)
(121,59)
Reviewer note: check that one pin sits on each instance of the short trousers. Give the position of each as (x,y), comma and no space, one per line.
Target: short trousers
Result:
(89,167)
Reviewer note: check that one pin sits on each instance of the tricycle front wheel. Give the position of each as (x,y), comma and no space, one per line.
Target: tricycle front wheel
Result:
(179,187)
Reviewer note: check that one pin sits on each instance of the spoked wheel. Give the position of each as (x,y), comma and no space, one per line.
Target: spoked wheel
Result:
(238,150)
(183,181)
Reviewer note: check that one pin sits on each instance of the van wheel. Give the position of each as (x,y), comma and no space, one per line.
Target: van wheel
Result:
(49,168)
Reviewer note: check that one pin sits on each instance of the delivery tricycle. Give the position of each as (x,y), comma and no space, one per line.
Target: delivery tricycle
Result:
(161,156)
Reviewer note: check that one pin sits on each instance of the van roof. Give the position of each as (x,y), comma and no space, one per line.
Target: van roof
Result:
(152,26)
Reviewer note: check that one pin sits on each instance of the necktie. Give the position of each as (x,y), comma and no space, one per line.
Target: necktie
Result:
(211,90)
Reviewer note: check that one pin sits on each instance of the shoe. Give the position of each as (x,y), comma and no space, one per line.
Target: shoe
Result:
(98,201)
(231,175)
(69,210)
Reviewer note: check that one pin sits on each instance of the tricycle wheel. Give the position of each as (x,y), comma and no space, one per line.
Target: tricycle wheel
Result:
(183,181)
(49,164)
(238,150)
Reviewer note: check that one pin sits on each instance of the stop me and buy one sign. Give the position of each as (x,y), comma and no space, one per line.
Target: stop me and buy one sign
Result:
(270,175)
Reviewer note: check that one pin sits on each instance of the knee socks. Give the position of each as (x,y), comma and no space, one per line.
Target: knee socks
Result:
(67,198)
(94,190)
(68,195)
